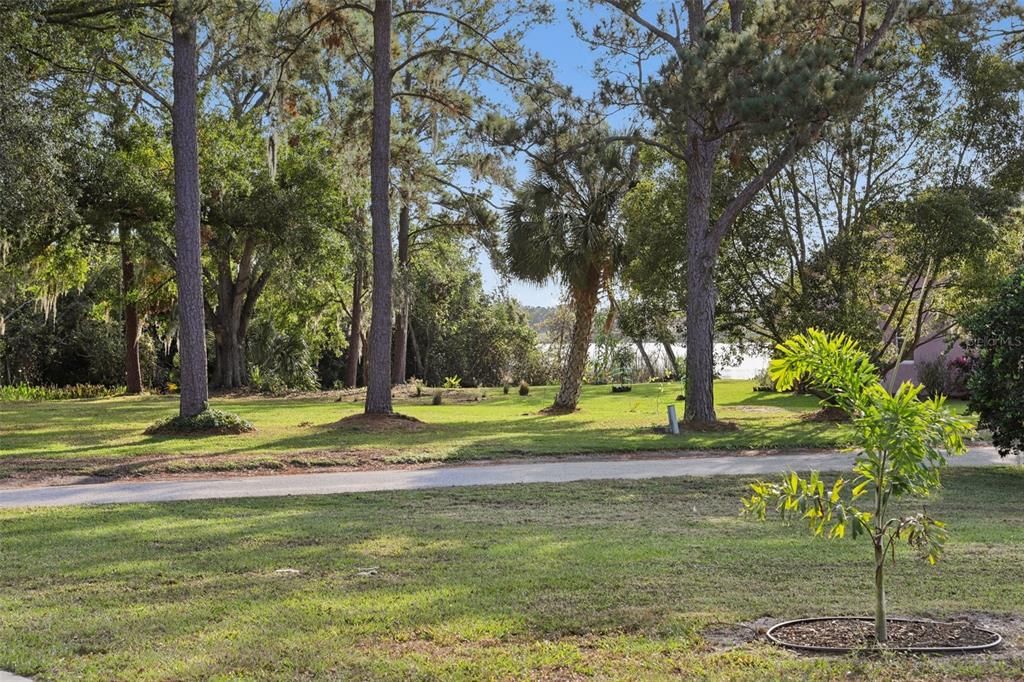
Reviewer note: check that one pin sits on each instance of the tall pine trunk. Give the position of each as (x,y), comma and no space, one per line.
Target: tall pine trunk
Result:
(378,390)
(700,284)
(355,332)
(132,365)
(187,240)
(401,346)
(585,302)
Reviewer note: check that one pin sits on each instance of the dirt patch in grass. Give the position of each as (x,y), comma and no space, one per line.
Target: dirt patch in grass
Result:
(828,414)
(709,427)
(725,636)
(379,423)
(40,471)
(1011,627)
(554,411)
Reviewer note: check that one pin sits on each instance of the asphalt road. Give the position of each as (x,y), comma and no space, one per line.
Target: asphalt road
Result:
(329,483)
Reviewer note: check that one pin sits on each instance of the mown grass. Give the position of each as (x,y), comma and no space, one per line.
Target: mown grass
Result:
(83,436)
(610,580)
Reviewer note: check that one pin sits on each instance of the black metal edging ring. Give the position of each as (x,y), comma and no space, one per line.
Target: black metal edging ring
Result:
(973,648)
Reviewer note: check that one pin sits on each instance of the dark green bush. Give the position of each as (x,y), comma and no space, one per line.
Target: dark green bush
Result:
(996,383)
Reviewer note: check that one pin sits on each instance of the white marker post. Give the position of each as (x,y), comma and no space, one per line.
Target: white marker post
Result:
(673,421)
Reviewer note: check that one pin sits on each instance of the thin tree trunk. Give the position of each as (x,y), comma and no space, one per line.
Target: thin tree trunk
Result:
(355,333)
(187,240)
(700,291)
(585,302)
(132,365)
(881,633)
(365,365)
(378,393)
(643,354)
(670,354)
(401,346)
(417,354)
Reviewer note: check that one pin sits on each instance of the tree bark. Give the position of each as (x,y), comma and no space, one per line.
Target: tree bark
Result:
(702,252)
(355,333)
(237,294)
(187,238)
(378,389)
(365,364)
(401,343)
(585,302)
(132,365)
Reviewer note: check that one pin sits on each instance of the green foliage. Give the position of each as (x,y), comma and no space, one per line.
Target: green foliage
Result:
(654,213)
(73,392)
(903,442)
(280,361)
(266,382)
(209,421)
(996,338)
(462,330)
(561,223)
(453,382)
(79,341)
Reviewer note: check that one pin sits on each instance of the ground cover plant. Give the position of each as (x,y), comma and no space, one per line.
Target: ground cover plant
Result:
(73,392)
(600,580)
(903,439)
(105,437)
(209,421)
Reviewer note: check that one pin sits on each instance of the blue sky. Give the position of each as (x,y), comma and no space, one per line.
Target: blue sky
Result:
(573,62)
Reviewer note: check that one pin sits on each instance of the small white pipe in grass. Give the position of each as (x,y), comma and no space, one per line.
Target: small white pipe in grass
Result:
(673,421)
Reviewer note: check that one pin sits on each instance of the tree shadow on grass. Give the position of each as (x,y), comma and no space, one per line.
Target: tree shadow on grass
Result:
(190,590)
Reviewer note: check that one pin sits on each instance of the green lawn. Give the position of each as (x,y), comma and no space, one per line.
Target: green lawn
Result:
(105,436)
(612,580)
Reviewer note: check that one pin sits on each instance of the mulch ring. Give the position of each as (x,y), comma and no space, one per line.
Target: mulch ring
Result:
(709,427)
(836,635)
(380,423)
(828,414)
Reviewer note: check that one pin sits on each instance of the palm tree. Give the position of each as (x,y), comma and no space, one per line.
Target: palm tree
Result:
(563,222)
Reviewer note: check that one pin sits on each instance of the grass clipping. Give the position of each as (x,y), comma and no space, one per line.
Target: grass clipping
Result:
(209,421)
